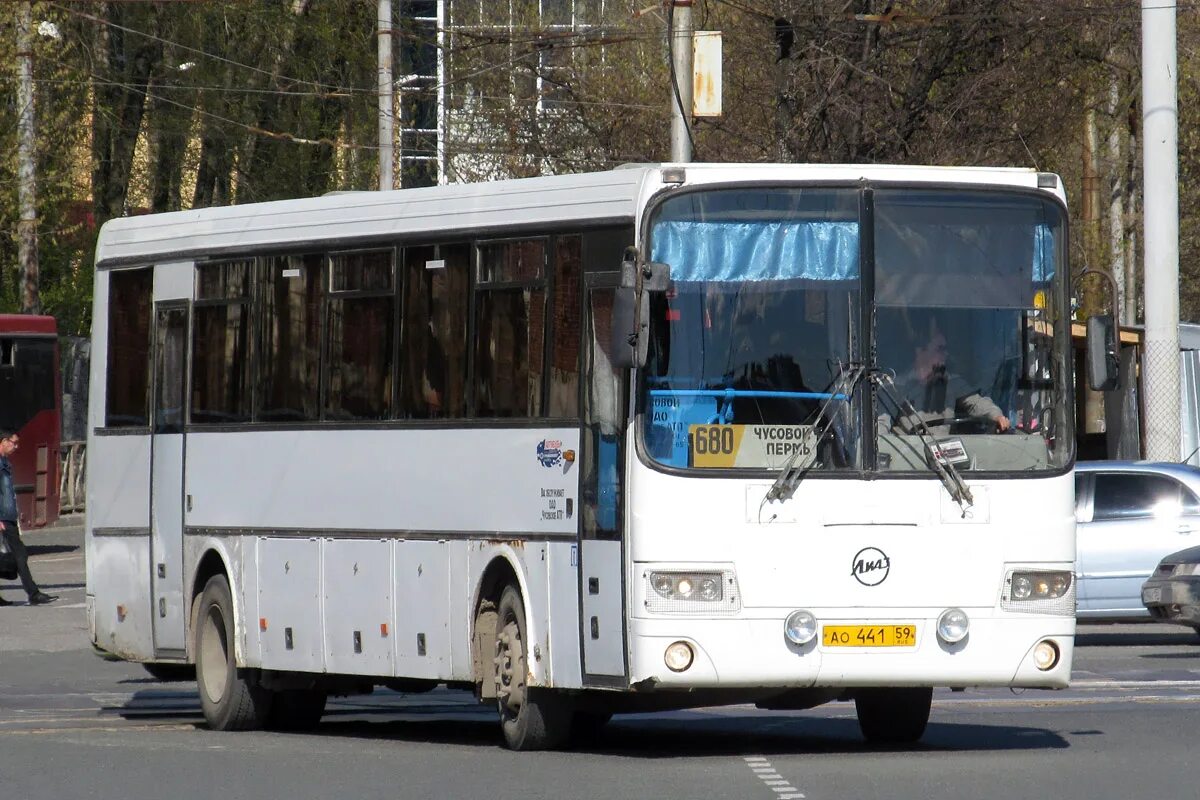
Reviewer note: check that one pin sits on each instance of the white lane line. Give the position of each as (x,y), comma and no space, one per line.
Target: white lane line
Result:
(1100,684)
(782,789)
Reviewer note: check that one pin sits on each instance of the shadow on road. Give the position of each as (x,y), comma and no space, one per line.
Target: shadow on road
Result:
(49,549)
(1184,636)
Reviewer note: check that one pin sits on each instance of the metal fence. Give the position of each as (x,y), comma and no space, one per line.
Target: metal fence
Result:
(71,473)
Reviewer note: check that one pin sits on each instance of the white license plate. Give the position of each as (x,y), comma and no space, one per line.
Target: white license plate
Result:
(1152,595)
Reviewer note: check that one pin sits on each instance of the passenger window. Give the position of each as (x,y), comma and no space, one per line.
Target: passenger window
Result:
(1133,496)
(128,395)
(563,390)
(290,379)
(361,319)
(510,323)
(221,343)
(433,365)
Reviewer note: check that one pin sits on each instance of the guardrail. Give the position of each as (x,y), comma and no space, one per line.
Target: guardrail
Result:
(71,473)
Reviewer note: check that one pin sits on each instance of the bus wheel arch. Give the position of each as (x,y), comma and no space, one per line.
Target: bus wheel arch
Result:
(498,574)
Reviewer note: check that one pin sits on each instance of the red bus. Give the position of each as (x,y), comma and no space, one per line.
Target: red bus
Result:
(30,404)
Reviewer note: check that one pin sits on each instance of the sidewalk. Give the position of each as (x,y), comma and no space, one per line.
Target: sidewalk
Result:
(56,561)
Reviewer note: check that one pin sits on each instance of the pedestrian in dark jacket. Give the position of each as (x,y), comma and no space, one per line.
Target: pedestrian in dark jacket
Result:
(8,519)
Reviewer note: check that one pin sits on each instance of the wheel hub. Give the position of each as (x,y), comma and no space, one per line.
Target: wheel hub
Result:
(510,669)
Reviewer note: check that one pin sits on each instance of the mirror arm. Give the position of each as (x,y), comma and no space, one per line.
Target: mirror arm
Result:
(1116,297)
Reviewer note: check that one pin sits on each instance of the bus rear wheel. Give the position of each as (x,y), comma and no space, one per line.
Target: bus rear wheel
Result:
(893,716)
(230,701)
(531,718)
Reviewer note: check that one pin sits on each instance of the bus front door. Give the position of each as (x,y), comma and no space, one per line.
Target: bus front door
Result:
(601,576)
(166,479)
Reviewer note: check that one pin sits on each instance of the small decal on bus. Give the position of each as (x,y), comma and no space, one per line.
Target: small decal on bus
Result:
(550,452)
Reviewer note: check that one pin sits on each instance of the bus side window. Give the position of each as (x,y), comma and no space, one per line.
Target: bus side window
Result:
(566,322)
(360,323)
(127,398)
(8,352)
(510,326)
(221,343)
(433,339)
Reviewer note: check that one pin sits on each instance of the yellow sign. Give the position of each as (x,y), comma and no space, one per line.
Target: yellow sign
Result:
(869,635)
(750,446)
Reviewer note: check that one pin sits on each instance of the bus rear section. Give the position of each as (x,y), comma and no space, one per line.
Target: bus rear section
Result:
(30,405)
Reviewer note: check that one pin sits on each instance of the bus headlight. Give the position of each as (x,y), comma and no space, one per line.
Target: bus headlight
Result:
(1029,585)
(801,627)
(685,591)
(688,585)
(1039,591)
(953,625)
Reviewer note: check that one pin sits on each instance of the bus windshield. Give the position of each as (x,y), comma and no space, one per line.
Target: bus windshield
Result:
(758,359)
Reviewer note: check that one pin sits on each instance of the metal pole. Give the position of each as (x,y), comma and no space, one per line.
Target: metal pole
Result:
(1160,114)
(443,73)
(27,245)
(681,91)
(384,52)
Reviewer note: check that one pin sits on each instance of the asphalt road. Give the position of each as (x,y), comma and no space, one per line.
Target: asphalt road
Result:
(74,726)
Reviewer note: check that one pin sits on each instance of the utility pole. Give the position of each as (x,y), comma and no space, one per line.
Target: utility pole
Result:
(384,53)
(1091,291)
(1160,185)
(27,248)
(679,12)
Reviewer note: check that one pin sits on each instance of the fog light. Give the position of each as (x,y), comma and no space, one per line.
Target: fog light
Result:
(800,627)
(1045,655)
(679,656)
(952,625)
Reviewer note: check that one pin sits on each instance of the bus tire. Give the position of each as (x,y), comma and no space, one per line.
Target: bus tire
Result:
(230,701)
(296,709)
(531,718)
(893,716)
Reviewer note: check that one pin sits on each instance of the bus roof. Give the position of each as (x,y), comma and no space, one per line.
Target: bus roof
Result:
(28,323)
(352,218)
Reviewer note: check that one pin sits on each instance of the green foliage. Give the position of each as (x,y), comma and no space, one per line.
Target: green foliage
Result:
(167,106)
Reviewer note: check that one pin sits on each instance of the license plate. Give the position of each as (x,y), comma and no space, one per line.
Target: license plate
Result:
(1152,595)
(869,635)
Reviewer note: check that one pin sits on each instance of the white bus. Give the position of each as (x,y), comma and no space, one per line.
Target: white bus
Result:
(653,438)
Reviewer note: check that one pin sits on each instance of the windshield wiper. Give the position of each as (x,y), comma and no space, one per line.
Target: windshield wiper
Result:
(789,474)
(947,472)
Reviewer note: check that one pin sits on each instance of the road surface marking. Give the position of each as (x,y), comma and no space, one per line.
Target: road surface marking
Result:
(767,774)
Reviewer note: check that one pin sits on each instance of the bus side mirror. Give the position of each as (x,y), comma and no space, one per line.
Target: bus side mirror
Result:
(628,344)
(1103,361)
(631,309)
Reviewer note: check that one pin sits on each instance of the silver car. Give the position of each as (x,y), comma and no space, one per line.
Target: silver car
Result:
(1130,515)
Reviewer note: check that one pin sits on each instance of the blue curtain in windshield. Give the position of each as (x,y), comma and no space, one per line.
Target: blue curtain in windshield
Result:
(1043,254)
(757,251)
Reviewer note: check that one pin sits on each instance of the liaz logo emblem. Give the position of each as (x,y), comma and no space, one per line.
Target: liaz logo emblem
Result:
(870,566)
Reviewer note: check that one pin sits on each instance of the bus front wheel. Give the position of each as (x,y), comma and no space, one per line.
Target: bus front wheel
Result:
(230,701)
(532,718)
(893,716)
